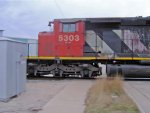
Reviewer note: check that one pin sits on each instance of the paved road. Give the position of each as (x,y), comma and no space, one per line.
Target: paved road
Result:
(139,91)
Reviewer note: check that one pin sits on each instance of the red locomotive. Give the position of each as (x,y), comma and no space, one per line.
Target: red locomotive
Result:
(78,46)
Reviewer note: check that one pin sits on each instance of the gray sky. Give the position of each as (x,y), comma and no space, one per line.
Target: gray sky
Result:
(25,18)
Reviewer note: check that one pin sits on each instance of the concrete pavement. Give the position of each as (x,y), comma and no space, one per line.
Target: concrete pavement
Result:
(70,100)
(139,91)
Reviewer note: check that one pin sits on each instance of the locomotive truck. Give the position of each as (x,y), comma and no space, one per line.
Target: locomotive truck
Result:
(77,46)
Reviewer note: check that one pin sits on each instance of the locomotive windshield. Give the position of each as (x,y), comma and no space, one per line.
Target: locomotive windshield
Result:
(69,27)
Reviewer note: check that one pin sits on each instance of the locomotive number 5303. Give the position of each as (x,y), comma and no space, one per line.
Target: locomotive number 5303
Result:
(69,38)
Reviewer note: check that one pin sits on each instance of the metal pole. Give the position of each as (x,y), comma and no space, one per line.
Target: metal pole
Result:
(28,49)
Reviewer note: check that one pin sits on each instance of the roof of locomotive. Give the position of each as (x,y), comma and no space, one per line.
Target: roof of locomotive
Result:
(86,19)
(123,20)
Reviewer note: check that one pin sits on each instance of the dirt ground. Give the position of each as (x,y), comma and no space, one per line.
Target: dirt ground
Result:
(37,94)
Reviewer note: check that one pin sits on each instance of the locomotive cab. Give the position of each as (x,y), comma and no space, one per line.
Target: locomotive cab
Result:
(66,40)
(61,52)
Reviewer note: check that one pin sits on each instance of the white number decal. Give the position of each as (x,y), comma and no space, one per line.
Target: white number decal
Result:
(76,37)
(69,38)
(60,38)
(66,38)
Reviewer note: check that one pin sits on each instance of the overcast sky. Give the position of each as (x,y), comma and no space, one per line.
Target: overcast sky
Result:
(25,18)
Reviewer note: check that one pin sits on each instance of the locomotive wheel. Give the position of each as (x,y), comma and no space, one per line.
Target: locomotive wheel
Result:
(85,73)
(38,74)
(57,75)
(31,72)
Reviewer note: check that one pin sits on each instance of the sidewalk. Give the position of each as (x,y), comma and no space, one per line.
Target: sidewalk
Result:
(139,91)
(70,100)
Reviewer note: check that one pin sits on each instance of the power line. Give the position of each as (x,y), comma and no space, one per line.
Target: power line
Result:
(57,5)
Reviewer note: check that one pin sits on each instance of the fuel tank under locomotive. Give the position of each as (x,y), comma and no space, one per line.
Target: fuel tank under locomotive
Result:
(135,71)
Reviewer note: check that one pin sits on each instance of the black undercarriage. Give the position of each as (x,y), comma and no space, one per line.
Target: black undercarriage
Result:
(61,68)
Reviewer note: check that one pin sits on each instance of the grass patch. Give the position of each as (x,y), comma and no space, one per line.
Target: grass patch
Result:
(108,96)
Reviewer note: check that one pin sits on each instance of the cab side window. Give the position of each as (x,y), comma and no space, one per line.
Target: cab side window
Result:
(69,27)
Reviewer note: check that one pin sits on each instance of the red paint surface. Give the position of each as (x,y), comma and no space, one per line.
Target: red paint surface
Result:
(59,44)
